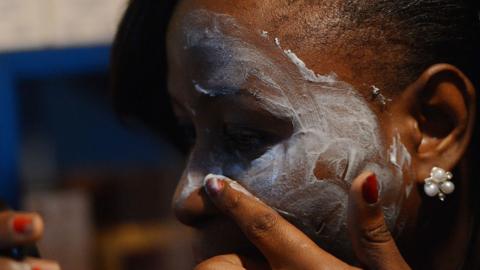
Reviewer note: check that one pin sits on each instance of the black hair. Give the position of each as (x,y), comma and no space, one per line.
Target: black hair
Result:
(139,67)
(431,31)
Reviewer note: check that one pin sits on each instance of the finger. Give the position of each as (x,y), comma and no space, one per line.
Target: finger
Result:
(266,229)
(37,264)
(222,262)
(19,228)
(8,264)
(231,262)
(371,239)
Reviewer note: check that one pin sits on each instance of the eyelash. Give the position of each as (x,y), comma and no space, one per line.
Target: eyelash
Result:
(245,141)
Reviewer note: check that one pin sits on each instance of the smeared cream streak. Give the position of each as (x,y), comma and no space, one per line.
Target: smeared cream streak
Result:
(307,73)
(401,159)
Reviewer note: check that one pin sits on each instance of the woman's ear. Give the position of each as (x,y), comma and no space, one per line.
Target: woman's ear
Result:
(436,115)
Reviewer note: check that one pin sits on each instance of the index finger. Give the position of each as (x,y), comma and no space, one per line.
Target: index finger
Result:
(18,229)
(281,242)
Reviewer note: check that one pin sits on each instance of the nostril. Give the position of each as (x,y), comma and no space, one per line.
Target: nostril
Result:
(194,209)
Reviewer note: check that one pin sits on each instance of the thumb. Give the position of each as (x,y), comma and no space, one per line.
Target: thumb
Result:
(372,241)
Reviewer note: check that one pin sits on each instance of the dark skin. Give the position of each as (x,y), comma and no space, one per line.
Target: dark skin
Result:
(434,115)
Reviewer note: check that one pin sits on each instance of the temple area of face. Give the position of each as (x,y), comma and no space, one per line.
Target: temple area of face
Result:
(261,79)
(218,47)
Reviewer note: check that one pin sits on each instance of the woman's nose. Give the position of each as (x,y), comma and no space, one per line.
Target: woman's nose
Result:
(191,204)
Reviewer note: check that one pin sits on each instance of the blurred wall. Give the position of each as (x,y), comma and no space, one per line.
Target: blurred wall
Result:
(27,24)
(103,189)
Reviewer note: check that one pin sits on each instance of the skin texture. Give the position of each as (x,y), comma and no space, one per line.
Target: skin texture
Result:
(441,92)
(9,238)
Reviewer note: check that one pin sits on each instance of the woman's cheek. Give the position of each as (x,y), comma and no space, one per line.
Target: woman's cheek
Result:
(307,177)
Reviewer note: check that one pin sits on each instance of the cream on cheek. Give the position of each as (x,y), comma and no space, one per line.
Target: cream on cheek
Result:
(334,132)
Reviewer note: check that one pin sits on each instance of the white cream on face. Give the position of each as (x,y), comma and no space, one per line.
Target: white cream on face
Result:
(401,159)
(335,132)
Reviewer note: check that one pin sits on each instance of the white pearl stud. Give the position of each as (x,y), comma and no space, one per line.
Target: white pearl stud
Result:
(439,184)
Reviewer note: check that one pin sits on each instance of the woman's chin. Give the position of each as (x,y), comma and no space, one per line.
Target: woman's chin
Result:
(222,237)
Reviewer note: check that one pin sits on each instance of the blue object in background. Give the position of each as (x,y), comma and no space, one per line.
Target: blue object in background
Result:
(31,65)
(8,138)
(100,143)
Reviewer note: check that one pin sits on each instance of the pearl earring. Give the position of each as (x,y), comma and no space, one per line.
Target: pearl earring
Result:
(439,183)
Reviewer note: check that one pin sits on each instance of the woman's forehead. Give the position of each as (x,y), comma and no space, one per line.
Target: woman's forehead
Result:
(324,34)
(293,32)
(222,57)
(282,17)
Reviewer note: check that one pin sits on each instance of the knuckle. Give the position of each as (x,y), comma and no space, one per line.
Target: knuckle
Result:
(263,225)
(37,216)
(207,265)
(376,234)
(6,214)
(232,202)
(203,267)
(6,264)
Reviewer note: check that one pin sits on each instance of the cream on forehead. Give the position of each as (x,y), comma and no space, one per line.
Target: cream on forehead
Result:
(307,73)
(333,126)
(225,54)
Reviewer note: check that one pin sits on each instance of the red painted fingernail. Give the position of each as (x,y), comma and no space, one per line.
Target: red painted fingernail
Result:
(370,189)
(36,268)
(22,224)
(214,186)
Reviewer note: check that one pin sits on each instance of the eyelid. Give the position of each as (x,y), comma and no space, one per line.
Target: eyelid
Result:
(247,142)
(264,137)
(246,128)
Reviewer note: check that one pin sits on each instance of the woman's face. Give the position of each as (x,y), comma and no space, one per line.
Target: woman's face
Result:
(294,138)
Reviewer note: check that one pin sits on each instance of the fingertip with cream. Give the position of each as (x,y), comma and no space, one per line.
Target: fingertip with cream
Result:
(214,184)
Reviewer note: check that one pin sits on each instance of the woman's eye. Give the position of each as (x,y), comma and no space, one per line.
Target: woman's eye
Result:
(245,140)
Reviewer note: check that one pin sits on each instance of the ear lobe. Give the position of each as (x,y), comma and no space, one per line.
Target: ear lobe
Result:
(443,106)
